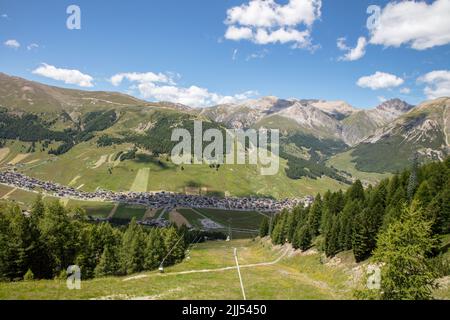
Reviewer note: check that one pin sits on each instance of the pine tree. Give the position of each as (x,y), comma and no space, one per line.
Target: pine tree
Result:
(361,237)
(403,249)
(174,246)
(355,192)
(109,263)
(413,180)
(132,249)
(332,238)
(155,251)
(423,194)
(315,216)
(59,235)
(302,239)
(264,227)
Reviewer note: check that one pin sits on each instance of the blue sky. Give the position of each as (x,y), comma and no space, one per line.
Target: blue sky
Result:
(185,45)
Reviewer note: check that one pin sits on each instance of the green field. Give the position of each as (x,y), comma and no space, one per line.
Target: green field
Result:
(97,209)
(89,167)
(343,161)
(127,212)
(243,224)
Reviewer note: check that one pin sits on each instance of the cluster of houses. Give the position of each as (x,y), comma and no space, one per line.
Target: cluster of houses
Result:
(168,200)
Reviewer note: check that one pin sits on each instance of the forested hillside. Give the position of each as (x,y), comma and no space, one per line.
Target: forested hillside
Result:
(399,220)
(43,244)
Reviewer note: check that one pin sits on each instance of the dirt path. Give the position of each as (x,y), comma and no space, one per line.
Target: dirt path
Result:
(100,161)
(3,153)
(9,193)
(113,211)
(74,180)
(253,265)
(19,158)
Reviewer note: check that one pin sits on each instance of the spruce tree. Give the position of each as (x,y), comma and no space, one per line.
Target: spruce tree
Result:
(264,227)
(403,250)
(109,263)
(132,249)
(155,250)
(315,216)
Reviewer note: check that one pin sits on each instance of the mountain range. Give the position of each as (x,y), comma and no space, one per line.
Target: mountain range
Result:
(313,131)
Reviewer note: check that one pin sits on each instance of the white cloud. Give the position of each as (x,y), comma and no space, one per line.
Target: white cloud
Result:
(238,33)
(12,43)
(352,53)
(438,84)
(191,96)
(4,16)
(265,21)
(381,99)
(117,79)
(69,76)
(380,80)
(32,46)
(162,87)
(416,23)
(405,90)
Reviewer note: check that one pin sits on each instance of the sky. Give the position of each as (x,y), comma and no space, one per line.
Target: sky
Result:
(206,52)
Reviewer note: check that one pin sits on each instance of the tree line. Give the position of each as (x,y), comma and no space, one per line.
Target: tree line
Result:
(43,244)
(367,220)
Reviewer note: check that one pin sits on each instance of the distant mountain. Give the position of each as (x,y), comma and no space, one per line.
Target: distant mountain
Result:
(324,119)
(58,121)
(361,124)
(423,130)
(21,95)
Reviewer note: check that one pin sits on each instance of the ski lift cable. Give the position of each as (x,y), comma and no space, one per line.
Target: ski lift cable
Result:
(170,251)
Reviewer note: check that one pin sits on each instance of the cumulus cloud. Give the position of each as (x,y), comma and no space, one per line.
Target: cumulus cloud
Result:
(238,33)
(380,80)
(352,53)
(163,87)
(191,96)
(437,84)
(117,79)
(69,76)
(415,23)
(266,21)
(12,43)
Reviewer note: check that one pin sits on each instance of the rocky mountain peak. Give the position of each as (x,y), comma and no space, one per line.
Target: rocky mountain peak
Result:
(395,105)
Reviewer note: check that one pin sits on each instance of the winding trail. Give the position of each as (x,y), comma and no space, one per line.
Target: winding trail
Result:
(113,211)
(253,265)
